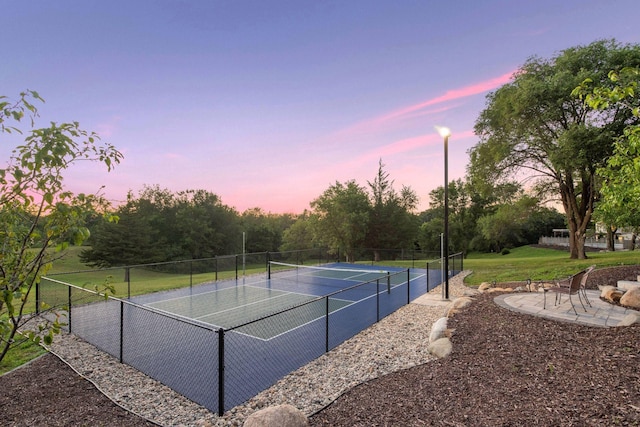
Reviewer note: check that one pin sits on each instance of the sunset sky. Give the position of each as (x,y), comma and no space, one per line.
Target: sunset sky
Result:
(267,103)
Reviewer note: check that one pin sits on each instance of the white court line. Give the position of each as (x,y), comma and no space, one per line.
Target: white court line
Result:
(246,305)
(269,290)
(210,292)
(299,326)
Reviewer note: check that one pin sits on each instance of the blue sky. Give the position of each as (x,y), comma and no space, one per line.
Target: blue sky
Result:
(268,103)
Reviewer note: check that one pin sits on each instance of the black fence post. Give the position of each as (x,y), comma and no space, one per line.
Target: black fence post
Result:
(127,274)
(190,273)
(427,276)
(69,310)
(121,331)
(220,372)
(38,296)
(408,286)
(377,300)
(326,326)
(236,267)
(215,265)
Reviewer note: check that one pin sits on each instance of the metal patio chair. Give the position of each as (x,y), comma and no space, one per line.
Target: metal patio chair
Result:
(571,286)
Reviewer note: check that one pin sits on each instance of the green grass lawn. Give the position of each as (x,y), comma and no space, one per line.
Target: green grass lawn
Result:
(528,262)
(532,263)
(19,355)
(141,281)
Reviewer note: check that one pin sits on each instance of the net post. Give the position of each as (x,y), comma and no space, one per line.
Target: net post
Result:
(268,264)
(388,282)
(220,371)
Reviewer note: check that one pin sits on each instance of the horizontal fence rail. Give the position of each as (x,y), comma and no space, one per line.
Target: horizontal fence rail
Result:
(218,366)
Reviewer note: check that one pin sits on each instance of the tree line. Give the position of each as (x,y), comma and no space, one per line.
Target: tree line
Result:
(159,225)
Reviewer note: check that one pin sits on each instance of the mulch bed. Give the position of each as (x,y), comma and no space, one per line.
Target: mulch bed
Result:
(506,369)
(47,392)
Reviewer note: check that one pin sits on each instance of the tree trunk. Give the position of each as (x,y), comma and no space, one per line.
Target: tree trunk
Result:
(578,215)
(611,238)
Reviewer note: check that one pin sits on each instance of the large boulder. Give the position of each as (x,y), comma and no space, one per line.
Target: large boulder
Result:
(605,290)
(631,298)
(438,329)
(484,286)
(277,416)
(457,305)
(440,348)
(611,294)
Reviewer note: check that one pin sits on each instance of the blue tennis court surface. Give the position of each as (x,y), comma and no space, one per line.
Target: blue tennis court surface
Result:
(221,343)
(230,307)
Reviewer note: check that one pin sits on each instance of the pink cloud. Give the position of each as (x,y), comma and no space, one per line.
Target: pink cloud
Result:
(451,95)
(415,110)
(406,145)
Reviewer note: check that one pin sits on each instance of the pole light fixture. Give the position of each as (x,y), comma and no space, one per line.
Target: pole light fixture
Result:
(446,133)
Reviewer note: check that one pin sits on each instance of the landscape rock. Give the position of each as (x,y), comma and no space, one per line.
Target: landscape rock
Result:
(631,298)
(612,294)
(438,329)
(277,416)
(441,348)
(492,290)
(470,292)
(630,319)
(484,286)
(457,305)
(604,290)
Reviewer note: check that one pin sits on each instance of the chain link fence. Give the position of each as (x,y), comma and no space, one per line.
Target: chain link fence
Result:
(221,367)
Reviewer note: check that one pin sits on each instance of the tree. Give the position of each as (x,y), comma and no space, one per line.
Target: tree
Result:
(538,127)
(299,235)
(264,230)
(39,216)
(519,223)
(465,207)
(161,226)
(117,244)
(340,218)
(391,221)
(620,202)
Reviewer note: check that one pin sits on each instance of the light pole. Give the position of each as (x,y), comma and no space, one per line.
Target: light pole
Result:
(446,133)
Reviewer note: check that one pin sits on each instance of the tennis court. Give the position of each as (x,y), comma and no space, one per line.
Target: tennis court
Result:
(228,308)
(286,286)
(220,343)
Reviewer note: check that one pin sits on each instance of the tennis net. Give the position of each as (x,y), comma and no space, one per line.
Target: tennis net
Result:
(340,277)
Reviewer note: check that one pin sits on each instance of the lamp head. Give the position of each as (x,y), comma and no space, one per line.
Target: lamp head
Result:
(443,131)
